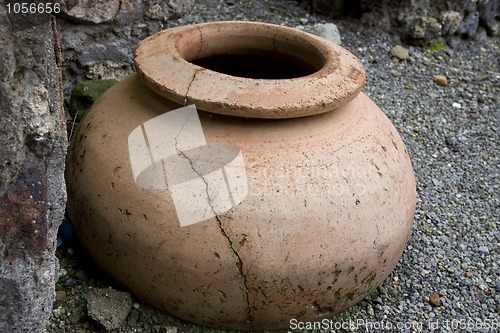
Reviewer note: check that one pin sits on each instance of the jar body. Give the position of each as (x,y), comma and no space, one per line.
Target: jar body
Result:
(329,209)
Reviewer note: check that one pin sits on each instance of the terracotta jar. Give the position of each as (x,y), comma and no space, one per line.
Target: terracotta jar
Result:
(287,195)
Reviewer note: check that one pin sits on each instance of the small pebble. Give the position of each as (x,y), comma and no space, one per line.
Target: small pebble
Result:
(456,105)
(57,312)
(60,295)
(328,31)
(133,316)
(436,182)
(63,272)
(434,299)
(393,292)
(483,250)
(440,80)
(109,307)
(400,52)
(71,282)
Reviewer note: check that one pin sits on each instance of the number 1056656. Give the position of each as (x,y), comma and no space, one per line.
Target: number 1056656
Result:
(33,8)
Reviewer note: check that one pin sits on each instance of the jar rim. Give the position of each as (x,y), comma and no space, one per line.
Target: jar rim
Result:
(165,62)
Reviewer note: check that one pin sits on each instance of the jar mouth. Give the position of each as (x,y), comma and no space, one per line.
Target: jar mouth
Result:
(249,69)
(256,64)
(256,54)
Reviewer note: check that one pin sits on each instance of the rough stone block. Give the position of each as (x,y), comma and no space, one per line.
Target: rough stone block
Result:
(32,193)
(421,22)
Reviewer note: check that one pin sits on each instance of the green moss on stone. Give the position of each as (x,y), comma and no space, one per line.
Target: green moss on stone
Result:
(85,94)
(77,311)
(436,45)
(347,315)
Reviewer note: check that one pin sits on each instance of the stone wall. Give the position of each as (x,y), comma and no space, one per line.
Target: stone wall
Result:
(421,22)
(32,192)
(98,38)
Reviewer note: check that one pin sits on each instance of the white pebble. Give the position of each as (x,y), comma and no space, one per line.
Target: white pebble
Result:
(63,272)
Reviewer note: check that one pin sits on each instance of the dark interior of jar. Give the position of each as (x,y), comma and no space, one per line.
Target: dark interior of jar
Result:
(257,65)
(256,55)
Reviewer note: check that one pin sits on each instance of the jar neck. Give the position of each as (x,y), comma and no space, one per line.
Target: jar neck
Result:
(249,69)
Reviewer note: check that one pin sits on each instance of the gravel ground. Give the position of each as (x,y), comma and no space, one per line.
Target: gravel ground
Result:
(448,279)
